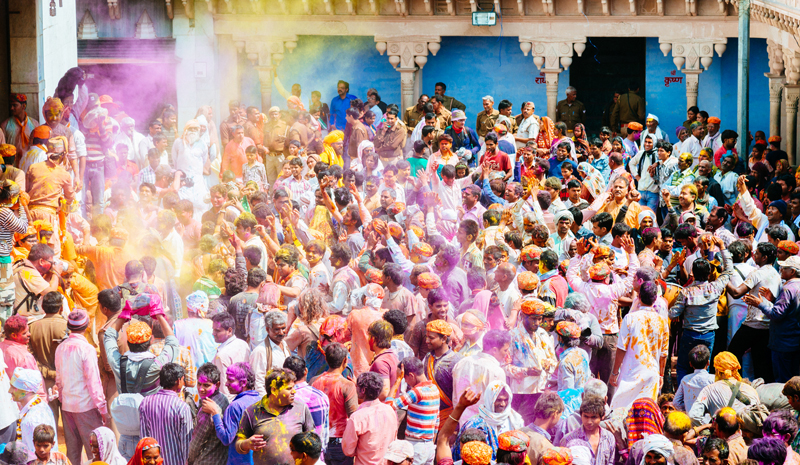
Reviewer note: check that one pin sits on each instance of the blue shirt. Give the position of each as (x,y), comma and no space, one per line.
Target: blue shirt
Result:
(227,425)
(338,107)
(690,388)
(555,167)
(784,317)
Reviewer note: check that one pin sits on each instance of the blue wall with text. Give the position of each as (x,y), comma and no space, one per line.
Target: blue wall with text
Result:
(717,89)
(476,66)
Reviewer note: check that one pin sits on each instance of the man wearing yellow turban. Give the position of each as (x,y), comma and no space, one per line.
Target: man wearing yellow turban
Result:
(718,394)
(334,148)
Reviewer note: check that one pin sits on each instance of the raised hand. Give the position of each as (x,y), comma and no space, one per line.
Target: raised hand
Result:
(628,245)
(766,293)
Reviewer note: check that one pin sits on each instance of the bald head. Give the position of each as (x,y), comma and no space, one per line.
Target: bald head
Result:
(505,273)
(705,168)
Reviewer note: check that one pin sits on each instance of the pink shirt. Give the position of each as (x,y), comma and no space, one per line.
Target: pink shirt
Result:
(18,355)
(359,321)
(368,433)
(81,389)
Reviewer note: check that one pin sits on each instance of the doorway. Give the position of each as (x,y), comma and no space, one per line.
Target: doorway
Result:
(608,64)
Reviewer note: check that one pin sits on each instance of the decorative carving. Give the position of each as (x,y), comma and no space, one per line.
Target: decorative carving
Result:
(405,52)
(791,63)
(547,7)
(550,52)
(660,7)
(170,12)
(229,5)
(373,7)
(87,28)
(691,8)
(328,7)
(400,7)
(188,8)
(144,27)
(775,53)
(429,7)
(113,9)
(693,52)
(521,7)
(606,11)
(633,7)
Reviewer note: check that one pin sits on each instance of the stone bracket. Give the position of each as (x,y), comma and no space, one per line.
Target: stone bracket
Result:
(791,63)
(113,9)
(265,51)
(551,53)
(693,52)
(188,8)
(408,52)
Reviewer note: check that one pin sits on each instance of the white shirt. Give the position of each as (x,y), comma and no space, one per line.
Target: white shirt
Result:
(258,361)
(715,141)
(528,129)
(450,195)
(174,245)
(31,418)
(692,145)
(234,350)
(475,372)
(9,411)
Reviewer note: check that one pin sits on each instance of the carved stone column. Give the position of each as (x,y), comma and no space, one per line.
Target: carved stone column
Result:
(791,93)
(776,81)
(693,53)
(265,53)
(551,56)
(408,55)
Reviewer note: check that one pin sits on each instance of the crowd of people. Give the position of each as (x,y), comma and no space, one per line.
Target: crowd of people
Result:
(361,284)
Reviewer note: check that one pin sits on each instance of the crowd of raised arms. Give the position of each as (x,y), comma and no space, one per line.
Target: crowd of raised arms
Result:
(361,284)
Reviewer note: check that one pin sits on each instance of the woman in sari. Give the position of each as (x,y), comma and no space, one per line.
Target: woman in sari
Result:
(644,419)
(545,138)
(580,141)
(148,452)
(104,447)
(495,416)
(593,183)
(487,303)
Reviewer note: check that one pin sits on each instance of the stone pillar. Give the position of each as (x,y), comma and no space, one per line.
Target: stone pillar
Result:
(693,53)
(266,53)
(551,88)
(775,94)
(692,83)
(555,54)
(408,55)
(791,94)
(776,81)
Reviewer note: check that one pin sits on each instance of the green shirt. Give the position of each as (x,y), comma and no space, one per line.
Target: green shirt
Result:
(417,164)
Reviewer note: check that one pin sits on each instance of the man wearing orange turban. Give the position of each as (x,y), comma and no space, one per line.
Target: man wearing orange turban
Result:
(713,139)
(439,363)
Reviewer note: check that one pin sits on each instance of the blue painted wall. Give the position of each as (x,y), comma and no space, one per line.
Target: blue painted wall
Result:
(319,62)
(473,67)
(491,66)
(717,88)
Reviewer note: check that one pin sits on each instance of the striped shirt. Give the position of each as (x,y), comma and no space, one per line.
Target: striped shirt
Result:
(422,402)
(10,223)
(319,406)
(167,418)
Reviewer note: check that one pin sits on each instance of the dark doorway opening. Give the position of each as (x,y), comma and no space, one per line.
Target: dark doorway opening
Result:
(608,64)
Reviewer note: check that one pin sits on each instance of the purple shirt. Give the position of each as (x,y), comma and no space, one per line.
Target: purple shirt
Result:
(167,418)
(606,449)
(227,425)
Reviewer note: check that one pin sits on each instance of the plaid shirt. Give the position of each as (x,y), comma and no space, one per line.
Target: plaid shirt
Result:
(148,175)
(205,447)
(183,359)
(319,406)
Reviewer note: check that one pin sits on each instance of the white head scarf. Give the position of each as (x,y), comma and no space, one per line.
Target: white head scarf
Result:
(499,420)
(205,136)
(107,445)
(364,144)
(581,455)
(657,443)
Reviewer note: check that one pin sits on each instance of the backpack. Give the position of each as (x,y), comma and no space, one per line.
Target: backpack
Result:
(125,393)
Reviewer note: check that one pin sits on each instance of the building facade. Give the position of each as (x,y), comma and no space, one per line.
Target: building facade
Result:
(191,53)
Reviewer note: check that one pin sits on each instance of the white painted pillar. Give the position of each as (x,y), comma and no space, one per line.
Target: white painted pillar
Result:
(551,89)
(408,55)
(791,94)
(551,56)
(692,83)
(776,83)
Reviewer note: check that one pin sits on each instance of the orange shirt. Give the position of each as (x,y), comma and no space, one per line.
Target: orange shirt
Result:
(46,182)
(234,158)
(109,263)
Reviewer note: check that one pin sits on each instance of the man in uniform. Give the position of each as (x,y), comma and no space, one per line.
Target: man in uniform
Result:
(487,117)
(275,132)
(450,103)
(413,115)
(630,108)
(571,111)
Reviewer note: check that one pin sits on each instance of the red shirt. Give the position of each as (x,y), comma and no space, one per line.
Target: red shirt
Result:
(342,395)
(385,364)
(721,153)
(498,161)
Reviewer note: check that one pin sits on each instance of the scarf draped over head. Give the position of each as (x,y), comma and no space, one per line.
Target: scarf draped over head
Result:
(644,418)
(486,409)
(547,131)
(143,445)
(298,104)
(481,302)
(475,318)
(592,179)
(373,294)
(197,303)
(557,456)
(205,136)
(191,124)
(726,366)
(107,445)
(363,145)
(659,444)
(581,455)
(581,141)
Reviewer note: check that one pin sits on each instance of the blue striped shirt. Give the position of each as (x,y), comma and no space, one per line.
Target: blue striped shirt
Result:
(167,418)
(319,406)
(423,410)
